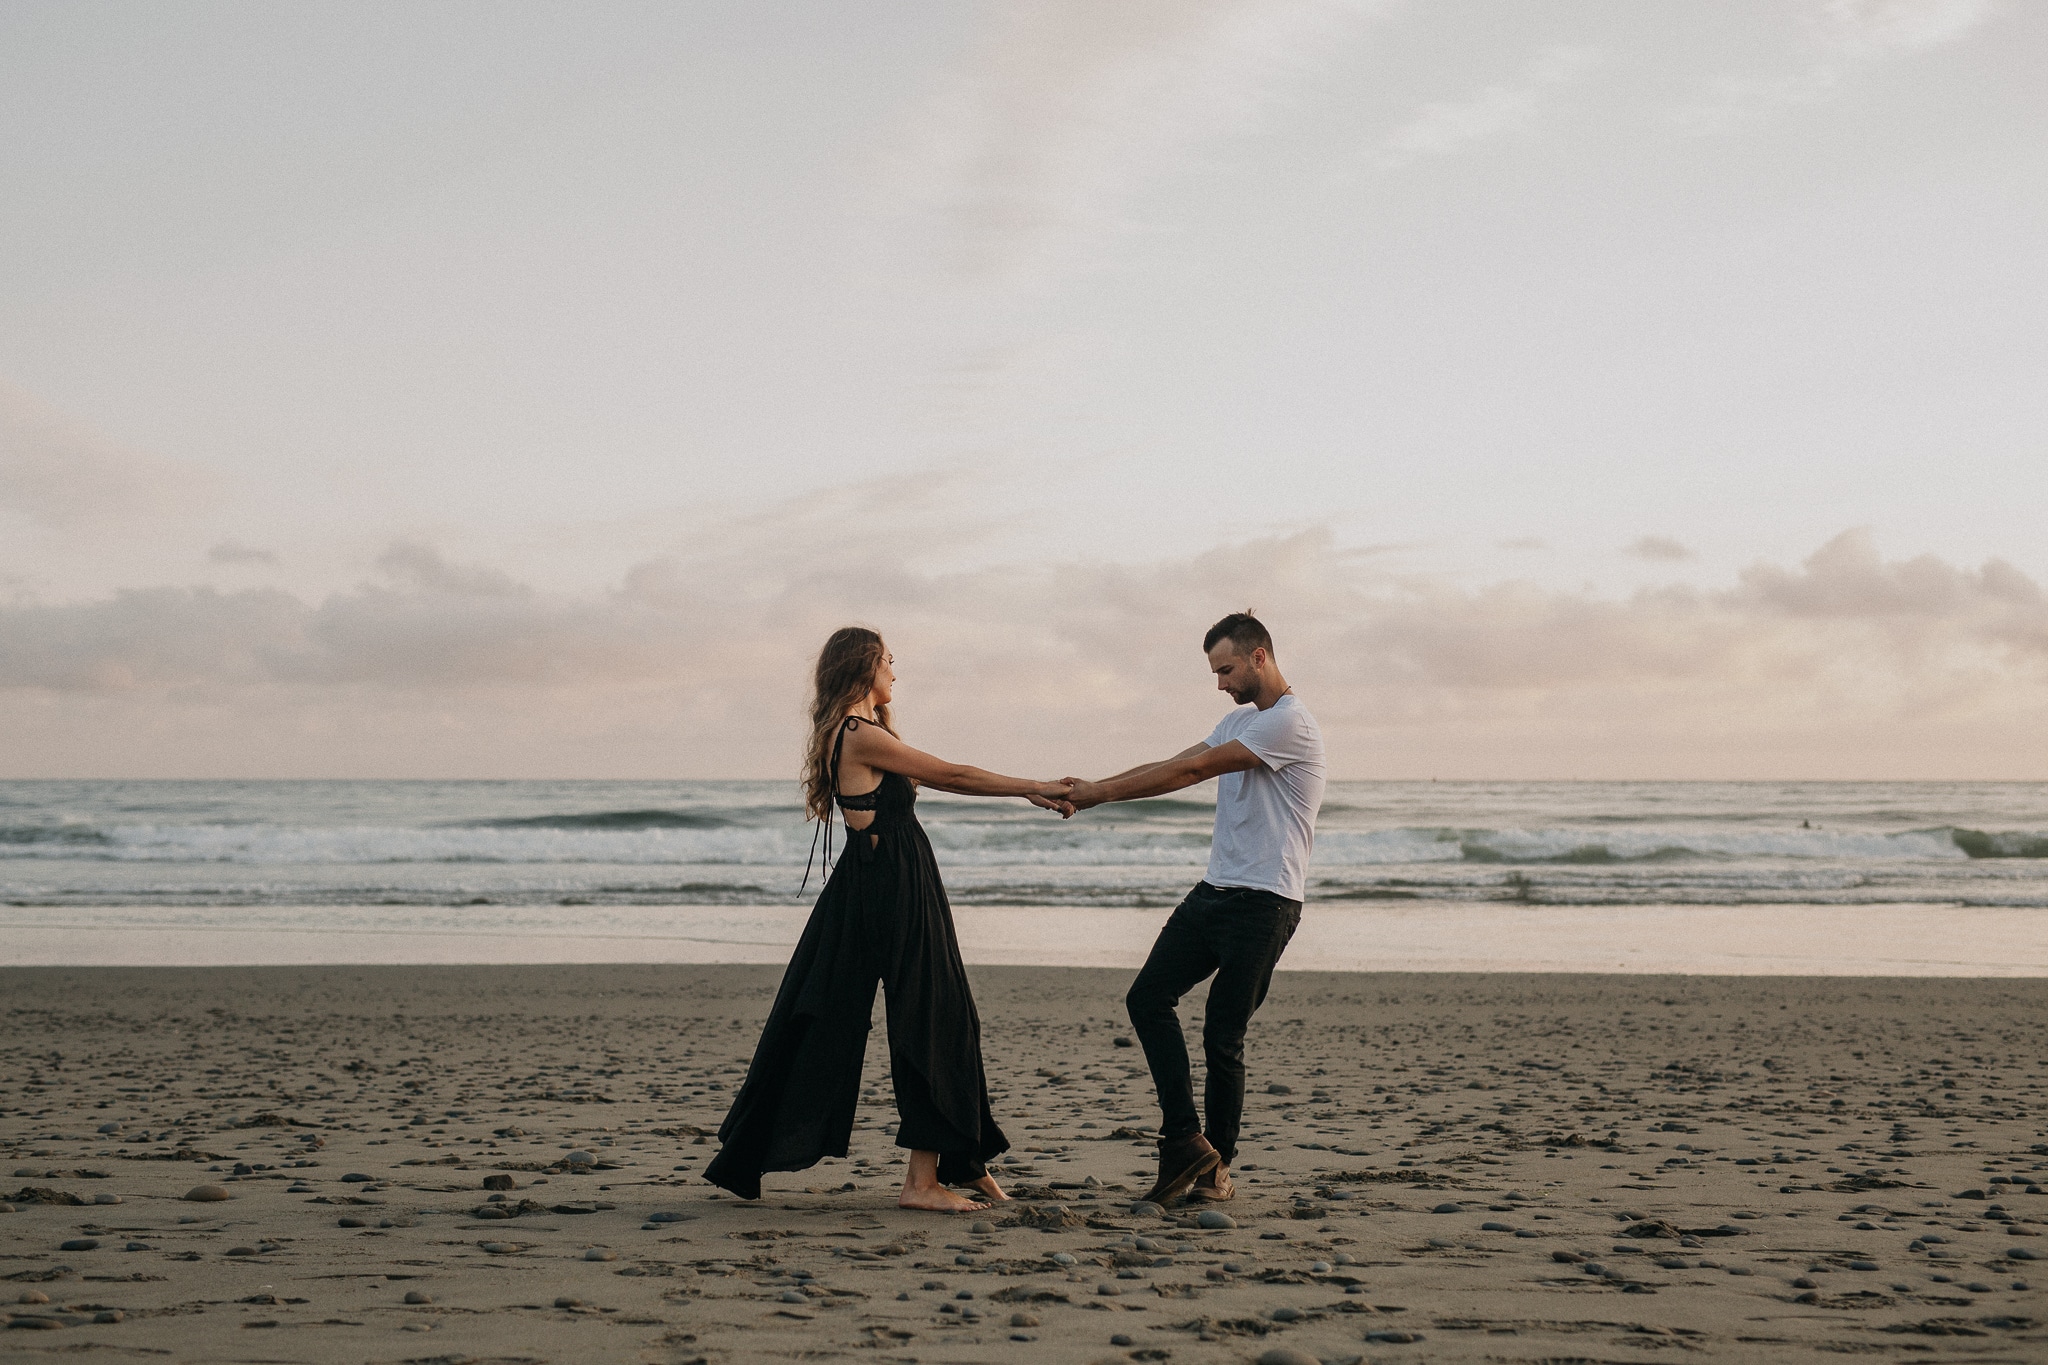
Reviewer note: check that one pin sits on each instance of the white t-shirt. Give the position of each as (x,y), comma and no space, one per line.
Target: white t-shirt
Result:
(1266,816)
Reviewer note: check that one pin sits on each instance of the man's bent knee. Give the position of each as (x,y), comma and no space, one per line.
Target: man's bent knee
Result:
(1224,1047)
(1140,1003)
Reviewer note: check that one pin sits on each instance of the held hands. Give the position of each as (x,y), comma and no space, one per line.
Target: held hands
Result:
(1067,796)
(1053,796)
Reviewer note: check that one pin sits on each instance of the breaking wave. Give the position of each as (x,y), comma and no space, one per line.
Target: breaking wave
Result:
(607,819)
(744,843)
(2011,844)
(691,837)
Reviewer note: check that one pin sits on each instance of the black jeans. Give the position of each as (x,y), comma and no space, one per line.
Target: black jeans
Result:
(1238,934)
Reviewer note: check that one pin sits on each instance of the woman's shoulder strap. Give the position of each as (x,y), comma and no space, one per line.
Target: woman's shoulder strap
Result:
(846,727)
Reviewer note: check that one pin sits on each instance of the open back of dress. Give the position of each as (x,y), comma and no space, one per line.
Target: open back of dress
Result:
(882,918)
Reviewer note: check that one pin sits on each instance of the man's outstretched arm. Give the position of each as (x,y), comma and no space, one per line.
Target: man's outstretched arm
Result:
(1186,753)
(1184,769)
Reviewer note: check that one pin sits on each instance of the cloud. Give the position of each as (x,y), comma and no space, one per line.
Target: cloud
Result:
(1037,140)
(425,570)
(1522,543)
(695,662)
(1499,110)
(1880,28)
(59,472)
(1847,579)
(1843,38)
(1657,548)
(234,552)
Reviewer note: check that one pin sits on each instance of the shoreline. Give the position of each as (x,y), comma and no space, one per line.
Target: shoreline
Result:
(1893,940)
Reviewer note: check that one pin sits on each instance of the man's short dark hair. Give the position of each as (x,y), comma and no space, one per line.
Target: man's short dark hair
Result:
(1243,630)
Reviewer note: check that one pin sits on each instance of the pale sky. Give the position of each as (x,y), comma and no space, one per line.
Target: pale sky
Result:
(1584,389)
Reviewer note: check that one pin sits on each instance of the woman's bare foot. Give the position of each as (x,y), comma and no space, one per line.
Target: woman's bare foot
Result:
(989,1190)
(922,1190)
(937,1199)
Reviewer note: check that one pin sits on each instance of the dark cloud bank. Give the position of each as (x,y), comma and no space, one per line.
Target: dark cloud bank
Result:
(694,665)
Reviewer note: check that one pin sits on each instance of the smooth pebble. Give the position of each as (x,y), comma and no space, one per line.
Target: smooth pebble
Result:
(1286,1355)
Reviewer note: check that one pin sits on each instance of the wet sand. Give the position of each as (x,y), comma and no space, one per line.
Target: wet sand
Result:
(1503,1168)
(1336,936)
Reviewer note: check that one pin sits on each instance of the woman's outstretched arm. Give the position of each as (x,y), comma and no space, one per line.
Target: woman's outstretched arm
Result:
(877,748)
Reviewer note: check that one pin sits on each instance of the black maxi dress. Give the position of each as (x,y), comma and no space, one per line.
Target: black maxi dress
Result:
(882,918)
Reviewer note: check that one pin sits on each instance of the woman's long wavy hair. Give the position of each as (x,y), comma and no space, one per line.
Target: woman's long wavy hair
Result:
(845,675)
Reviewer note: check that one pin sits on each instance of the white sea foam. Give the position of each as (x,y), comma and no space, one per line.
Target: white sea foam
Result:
(366,845)
(469,846)
(1009,844)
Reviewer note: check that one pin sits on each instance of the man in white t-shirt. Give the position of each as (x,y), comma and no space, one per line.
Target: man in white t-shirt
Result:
(1268,758)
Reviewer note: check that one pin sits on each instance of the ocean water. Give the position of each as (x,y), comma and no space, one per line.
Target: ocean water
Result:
(519,853)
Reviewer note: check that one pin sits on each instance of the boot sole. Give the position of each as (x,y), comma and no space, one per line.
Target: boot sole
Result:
(1170,1187)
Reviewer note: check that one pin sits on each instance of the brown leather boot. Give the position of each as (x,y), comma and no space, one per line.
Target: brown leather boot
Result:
(1214,1188)
(1182,1161)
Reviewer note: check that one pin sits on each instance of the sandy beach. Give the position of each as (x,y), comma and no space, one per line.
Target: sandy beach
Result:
(1440,1167)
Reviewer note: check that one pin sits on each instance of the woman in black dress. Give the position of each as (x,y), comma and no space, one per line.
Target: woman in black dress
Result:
(882,917)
